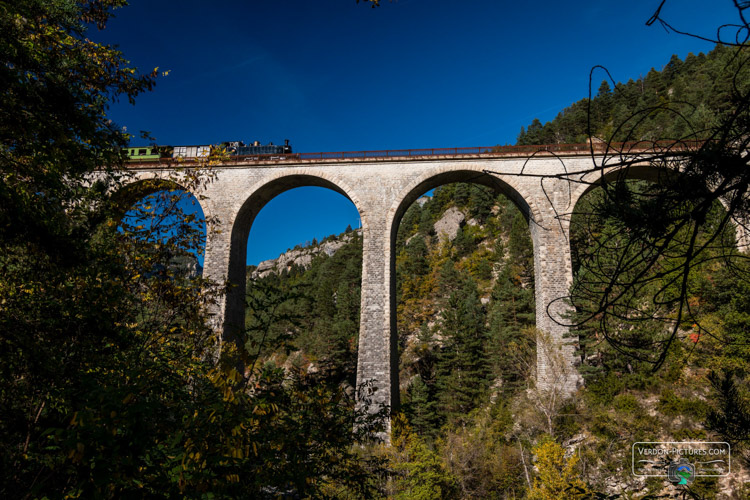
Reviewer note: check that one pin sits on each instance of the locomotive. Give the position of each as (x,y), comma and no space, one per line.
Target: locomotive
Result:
(233,149)
(239,148)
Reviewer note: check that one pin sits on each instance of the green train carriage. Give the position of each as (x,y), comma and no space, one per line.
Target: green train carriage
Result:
(144,153)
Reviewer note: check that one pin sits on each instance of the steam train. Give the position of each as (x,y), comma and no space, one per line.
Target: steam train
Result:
(233,149)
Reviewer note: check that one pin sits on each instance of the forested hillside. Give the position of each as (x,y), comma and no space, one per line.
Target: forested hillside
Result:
(468,292)
(308,315)
(471,418)
(684,100)
(472,424)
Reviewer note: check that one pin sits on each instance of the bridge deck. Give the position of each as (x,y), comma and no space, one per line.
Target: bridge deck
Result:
(434,154)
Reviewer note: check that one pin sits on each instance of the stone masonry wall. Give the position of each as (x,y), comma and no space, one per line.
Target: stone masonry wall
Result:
(382,191)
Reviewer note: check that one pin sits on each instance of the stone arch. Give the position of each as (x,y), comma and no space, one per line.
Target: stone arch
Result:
(639,171)
(138,188)
(434,178)
(645,172)
(246,212)
(431,179)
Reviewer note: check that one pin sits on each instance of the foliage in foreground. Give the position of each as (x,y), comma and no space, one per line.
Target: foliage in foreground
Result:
(109,386)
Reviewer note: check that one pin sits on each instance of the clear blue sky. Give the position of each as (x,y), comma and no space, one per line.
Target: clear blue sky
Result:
(341,76)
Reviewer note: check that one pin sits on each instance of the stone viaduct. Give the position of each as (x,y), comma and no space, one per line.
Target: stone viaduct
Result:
(382,188)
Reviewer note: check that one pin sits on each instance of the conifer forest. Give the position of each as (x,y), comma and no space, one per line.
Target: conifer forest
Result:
(113,383)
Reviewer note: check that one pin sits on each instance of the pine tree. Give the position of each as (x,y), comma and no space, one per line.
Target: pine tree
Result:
(463,243)
(533,133)
(420,408)
(480,202)
(450,279)
(521,139)
(426,221)
(462,371)
(520,250)
(512,312)
(416,263)
(461,194)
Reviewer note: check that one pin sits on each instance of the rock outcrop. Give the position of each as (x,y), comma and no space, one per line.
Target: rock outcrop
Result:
(301,257)
(422,200)
(449,223)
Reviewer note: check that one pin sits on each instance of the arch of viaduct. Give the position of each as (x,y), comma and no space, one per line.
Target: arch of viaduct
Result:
(382,190)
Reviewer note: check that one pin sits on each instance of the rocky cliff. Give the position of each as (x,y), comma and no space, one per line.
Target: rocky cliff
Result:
(302,257)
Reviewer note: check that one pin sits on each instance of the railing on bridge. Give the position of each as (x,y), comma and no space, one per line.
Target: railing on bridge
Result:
(406,153)
(578,149)
(598,147)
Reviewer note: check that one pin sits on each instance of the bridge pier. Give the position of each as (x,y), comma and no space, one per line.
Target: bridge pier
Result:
(377,355)
(553,275)
(224,265)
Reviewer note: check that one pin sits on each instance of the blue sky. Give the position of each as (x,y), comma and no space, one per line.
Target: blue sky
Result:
(334,75)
